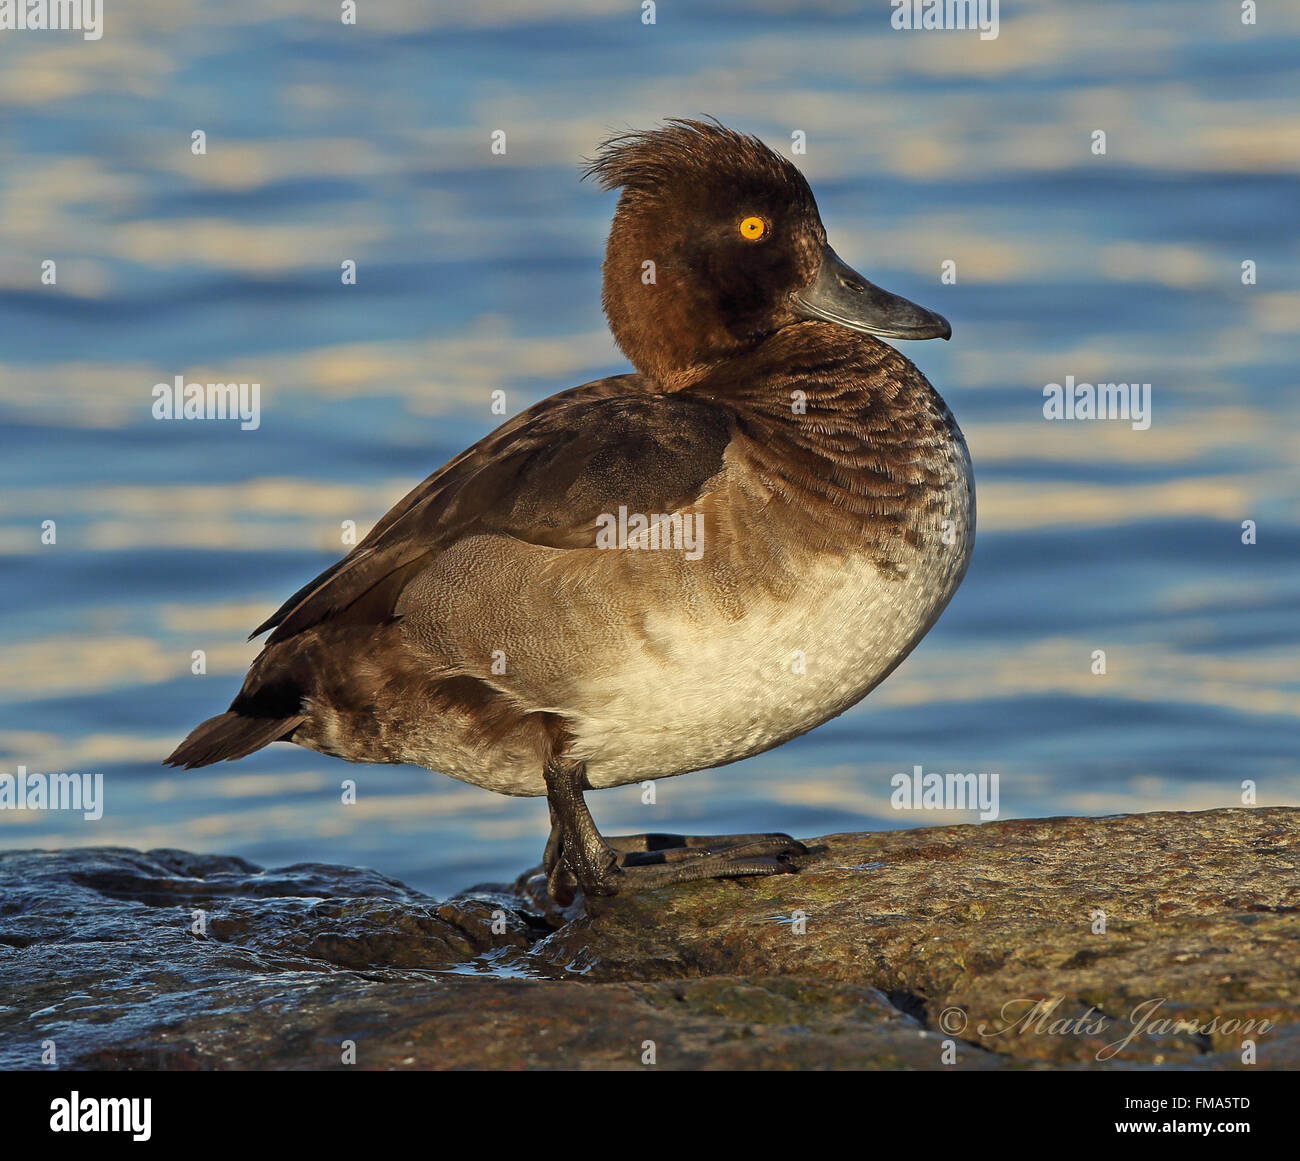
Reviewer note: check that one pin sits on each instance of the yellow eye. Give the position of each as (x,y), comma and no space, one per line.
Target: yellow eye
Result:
(752,229)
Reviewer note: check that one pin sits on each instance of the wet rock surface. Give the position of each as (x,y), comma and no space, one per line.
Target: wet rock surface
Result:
(1144,941)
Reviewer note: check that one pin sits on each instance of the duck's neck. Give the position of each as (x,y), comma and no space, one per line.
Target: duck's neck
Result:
(666,316)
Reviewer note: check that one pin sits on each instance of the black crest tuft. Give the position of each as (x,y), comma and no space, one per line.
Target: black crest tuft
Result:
(696,152)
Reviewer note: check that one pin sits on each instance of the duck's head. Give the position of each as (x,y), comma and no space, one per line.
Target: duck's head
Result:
(717,244)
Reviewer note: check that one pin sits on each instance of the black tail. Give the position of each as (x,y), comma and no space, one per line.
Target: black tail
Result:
(229,736)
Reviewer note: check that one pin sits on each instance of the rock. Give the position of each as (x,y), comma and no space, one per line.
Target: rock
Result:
(1126,942)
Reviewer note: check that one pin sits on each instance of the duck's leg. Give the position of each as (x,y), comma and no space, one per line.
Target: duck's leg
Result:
(577,854)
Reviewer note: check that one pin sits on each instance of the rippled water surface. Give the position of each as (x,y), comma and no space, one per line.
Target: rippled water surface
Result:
(481,272)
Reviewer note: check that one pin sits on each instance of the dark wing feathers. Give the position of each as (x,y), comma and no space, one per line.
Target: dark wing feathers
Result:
(477,453)
(544,478)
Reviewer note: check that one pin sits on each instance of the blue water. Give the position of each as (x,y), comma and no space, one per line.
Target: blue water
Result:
(479,272)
